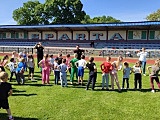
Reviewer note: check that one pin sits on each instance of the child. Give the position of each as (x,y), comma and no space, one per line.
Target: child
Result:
(52,62)
(137,75)
(4,62)
(116,65)
(14,56)
(154,74)
(20,71)
(5,92)
(74,69)
(81,64)
(11,66)
(45,64)
(63,73)
(25,58)
(56,71)
(31,65)
(67,63)
(126,72)
(92,73)
(106,67)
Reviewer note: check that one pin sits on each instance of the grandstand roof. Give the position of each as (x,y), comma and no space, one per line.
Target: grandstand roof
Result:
(72,27)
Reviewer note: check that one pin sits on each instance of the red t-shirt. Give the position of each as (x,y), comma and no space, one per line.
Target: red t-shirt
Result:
(106,67)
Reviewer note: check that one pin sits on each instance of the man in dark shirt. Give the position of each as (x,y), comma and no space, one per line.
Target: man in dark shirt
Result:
(39,48)
(79,52)
(59,58)
(5,92)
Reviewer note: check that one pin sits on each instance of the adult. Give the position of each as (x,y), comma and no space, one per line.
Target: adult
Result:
(39,48)
(79,52)
(142,58)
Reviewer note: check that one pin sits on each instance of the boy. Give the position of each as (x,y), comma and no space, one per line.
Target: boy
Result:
(5,92)
(20,71)
(63,73)
(11,66)
(81,64)
(73,68)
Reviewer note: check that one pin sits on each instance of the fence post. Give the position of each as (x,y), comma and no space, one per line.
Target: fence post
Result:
(103,53)
(18,50)
(3,49)
(32,50)
(28,50)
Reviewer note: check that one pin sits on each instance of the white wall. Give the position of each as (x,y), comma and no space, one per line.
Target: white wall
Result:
(98,32)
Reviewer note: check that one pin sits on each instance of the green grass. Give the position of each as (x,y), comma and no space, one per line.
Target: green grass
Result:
(34,101)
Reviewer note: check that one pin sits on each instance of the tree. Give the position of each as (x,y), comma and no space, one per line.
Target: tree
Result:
(155,16)
(102,19)
(51,12)
(64,11)
(29,14)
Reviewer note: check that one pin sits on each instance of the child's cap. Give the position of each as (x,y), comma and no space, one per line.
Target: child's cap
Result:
(3,76)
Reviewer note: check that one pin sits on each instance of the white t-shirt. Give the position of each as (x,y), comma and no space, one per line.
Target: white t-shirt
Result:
(82,63)
(142,56)
(30,63)
(52,61)
(56,65)
(11,67)
(136,69)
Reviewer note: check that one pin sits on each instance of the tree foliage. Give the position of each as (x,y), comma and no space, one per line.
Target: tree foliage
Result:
(28,14)
(155,16)
(102,19)
(51,12)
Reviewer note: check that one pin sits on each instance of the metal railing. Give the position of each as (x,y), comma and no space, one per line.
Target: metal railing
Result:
(88,51)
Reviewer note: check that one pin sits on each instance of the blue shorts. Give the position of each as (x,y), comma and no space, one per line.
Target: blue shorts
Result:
(80,71)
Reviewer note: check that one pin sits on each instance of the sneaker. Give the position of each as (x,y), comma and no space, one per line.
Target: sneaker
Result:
(153,91)
(11,118)
(144,74)
(32,79)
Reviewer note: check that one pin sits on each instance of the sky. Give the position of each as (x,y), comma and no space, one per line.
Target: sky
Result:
(124,10)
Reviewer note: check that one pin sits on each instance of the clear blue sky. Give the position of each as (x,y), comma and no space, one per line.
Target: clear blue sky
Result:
(125,10)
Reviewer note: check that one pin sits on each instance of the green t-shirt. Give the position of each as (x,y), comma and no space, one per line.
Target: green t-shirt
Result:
(73,62)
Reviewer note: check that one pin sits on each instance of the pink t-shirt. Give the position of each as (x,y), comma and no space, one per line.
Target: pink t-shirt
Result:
(45,64)
(68,62)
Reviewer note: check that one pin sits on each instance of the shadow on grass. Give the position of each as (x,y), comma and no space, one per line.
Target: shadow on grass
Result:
(27,95)
(3,116)
(18,91)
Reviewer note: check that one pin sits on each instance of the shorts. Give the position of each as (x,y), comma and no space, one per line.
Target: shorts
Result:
(4,104)
(80,71)
(31,70)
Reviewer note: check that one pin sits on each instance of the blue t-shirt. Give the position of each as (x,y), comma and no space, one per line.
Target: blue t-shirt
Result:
(126,72)
(63,68)
(20,66)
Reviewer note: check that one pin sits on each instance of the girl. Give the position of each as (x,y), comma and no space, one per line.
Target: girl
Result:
(45,64)
(126,72)
(4,62)
(106,67)
(116,65)
(31,65)
(153,71)
(137,75)
(68,63)
(14,56)
(92,73)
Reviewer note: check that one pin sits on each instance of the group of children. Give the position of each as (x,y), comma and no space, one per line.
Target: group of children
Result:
(60,66)
(111,69)
(18,65)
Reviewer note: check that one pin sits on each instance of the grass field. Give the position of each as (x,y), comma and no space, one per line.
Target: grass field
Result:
(34,101)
